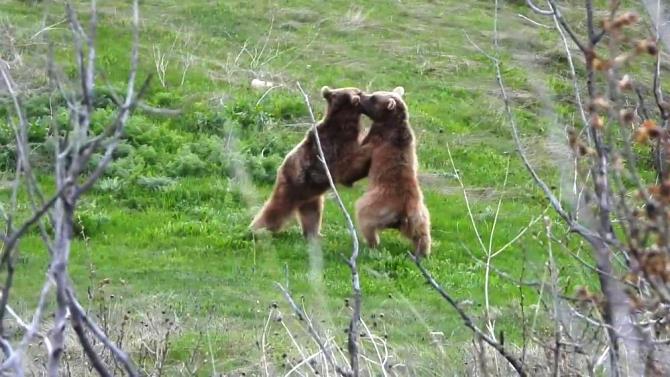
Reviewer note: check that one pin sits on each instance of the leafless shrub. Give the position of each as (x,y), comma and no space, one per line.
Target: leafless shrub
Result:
(179,53)
(73,152)
(316,350)
(253,60)
(14,43)
(620,218)
(146,333)
(354,19)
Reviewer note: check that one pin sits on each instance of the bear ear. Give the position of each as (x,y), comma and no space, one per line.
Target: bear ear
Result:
(399,90)
(326,92)
(355,100)
(391,104)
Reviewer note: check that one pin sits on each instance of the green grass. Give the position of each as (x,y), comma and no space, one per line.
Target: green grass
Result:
(168,223)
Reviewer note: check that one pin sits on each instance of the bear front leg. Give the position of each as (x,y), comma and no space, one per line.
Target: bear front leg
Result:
(309,214)
(354,166)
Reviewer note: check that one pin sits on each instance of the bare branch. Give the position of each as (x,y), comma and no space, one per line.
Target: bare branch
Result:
(31,330)
(118,127)
(11,240)
(353,334)
(312,331)
(88,348)
(553,200)
(537,9)
(79,314)
(467,201)
(553,279)
(469,323)
(573,73)
(557,14)
(533,21)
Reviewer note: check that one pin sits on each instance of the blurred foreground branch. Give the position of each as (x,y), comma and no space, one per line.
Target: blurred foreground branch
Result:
(353,333)
(74,176)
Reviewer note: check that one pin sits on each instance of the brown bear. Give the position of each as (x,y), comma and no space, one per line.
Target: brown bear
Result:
(301,179)
(394,198)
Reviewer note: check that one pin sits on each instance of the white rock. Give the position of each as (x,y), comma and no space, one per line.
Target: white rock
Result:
(260,84)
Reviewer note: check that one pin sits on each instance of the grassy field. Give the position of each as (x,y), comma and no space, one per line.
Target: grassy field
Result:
(167,225)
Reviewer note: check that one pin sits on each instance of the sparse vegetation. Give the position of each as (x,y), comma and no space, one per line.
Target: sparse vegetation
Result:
(166,227)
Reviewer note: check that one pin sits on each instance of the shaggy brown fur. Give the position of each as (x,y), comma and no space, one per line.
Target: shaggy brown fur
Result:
(301,179)
(394,198)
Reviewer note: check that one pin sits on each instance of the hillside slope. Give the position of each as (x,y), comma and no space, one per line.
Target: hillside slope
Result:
(165,230)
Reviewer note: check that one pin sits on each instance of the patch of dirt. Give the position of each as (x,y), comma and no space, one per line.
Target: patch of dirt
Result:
(302,16)
(518,96)
(447,185)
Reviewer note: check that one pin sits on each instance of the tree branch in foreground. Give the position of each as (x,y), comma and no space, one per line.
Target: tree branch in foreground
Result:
(469,323)
(352,344)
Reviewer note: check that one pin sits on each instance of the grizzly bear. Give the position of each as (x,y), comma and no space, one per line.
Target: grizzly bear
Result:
(394,198)
(301,179)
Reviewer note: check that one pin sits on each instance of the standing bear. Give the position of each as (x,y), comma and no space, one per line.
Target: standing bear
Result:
(394,198)
(301,179)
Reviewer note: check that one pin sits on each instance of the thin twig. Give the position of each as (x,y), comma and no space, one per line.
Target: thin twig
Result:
(312,331)
(467,201)
(352,344)
(553,200)
(553,279)
(121,356)
(533,21)
(469,323)
(573,72)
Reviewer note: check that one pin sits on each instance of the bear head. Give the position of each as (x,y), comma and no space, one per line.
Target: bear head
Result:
(382,106)
(342,100)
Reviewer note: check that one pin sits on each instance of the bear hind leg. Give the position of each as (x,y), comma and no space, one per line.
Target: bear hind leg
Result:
(417,229)
(274,214)
(371,235)
(370,220)
(309,214)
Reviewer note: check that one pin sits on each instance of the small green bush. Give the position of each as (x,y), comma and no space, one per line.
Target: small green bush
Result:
(148,153)
(8,157)
(272,162)
(263,169)
(123,150)
(141,130)
(266,143)
(94,161)
(208,122)
(62,119)
(103,97)
(156,183)
(102,119)
(187,164)
(89,220)
(165,99)
(138,130)
(248,115)
(127,167)
(38,131)
(6,133)
(211,150)
(108,184)
(287,108)
(41,105)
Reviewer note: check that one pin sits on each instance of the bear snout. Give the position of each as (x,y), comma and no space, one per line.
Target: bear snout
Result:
(366,108)
(365,103)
